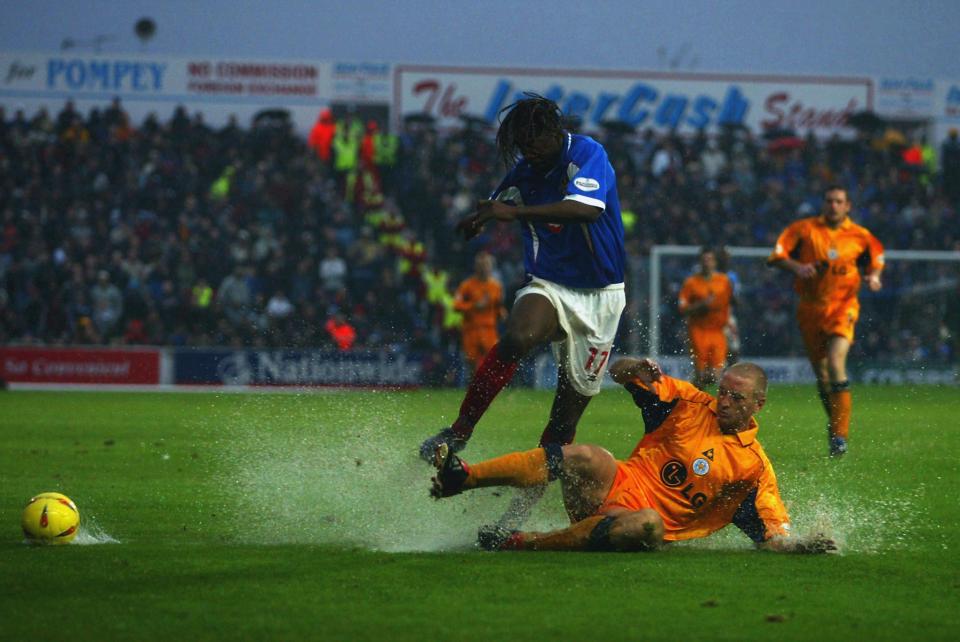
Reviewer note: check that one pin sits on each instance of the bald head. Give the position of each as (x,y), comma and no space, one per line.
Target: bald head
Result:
(754,373)
(741,393)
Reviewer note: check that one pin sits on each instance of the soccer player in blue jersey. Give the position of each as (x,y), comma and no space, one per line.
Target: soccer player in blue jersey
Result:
(563,192)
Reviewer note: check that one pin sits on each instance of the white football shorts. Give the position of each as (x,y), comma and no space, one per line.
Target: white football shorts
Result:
(590,318)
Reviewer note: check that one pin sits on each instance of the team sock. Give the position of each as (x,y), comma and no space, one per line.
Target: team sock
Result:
(521,469)
(823,391)
(492,375)
(841,406)
(558,435)
(576,537)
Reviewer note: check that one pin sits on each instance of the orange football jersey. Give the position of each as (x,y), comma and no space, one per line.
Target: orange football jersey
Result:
(696,477)
(837,254)
(473,291)
(697,288)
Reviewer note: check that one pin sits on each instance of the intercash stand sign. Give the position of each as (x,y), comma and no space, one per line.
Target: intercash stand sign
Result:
(683,102)
(296,368)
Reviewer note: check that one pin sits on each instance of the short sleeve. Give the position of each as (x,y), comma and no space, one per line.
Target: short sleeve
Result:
(683,300)
(786,243)
(587,175)
(657,401)
(875,248)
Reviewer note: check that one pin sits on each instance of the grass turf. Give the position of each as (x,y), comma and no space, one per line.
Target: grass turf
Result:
(307,517)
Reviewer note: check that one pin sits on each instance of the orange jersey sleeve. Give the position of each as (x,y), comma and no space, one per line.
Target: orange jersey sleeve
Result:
(488,294)
(688,294)
(670,388)
(837,253)
(762,514)
(788,241)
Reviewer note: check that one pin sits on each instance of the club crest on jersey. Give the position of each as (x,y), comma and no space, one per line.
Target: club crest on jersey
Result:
(701,466)
(832,254)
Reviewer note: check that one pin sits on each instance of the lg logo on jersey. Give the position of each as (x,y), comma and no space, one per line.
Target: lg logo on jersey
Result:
(674,473)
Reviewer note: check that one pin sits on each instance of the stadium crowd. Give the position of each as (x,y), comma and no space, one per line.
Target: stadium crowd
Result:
(170,232)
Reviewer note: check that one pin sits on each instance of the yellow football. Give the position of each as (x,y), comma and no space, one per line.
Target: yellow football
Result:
(50,518)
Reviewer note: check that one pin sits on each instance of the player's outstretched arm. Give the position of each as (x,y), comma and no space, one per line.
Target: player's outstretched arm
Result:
(563,211)
(629,368)
(799,270)
(812,545)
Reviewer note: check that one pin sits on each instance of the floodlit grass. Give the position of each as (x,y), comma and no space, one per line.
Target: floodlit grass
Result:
(307,517)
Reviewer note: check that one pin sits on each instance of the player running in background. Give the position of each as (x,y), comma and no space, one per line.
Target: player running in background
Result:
(705,302)
(480,300)
(698,468)
(825,254)
(563,192)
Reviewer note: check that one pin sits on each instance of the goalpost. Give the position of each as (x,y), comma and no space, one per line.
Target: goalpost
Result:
(901,328)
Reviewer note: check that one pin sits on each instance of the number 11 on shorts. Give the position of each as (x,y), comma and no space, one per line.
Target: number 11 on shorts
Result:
(593,357)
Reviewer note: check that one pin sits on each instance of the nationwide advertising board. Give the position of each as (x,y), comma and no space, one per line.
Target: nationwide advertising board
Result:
(663,101)
(296,368)
(38,365)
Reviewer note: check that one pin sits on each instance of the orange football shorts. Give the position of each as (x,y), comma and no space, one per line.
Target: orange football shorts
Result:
(709,347)
(820,322)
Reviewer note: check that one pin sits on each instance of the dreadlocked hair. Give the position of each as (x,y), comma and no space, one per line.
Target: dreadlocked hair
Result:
(525,120)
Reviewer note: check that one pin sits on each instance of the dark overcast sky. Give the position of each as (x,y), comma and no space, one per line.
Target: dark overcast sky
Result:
(917,38)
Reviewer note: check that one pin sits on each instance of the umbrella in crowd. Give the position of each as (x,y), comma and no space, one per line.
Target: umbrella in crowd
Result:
(866,121)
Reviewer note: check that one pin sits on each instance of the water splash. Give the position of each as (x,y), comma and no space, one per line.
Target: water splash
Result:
(92,533)
(349,477)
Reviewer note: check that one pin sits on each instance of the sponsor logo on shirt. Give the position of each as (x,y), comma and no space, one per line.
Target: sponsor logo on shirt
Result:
(673,473)
(587,184)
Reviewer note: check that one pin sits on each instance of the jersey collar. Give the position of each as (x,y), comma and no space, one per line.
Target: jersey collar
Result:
(746,437)
(564,155)
(749,435)
(844,225)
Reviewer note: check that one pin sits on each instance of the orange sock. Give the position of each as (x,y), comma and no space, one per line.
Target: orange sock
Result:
(575,537)
(528,468)
(823,391)
(841,406)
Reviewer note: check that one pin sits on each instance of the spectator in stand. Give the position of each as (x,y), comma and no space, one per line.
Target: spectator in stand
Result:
(333,270)
(107,304)
(321,136)
(171,196)
(343,334)
(234,297)
(279,307)
(950,162)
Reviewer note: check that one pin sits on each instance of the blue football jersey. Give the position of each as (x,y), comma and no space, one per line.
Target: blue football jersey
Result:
(577,255)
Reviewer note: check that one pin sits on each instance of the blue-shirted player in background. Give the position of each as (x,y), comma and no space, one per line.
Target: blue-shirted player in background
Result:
(563,192)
